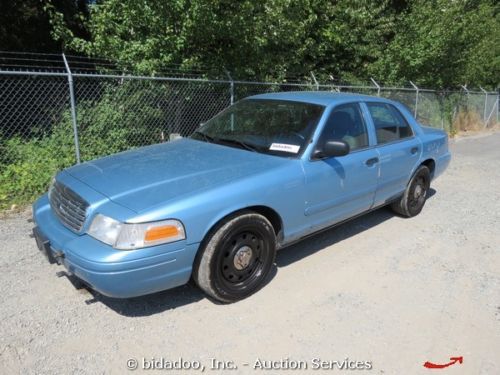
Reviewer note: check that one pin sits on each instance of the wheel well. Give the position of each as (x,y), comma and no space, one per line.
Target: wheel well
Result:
(431,164)
(271,215)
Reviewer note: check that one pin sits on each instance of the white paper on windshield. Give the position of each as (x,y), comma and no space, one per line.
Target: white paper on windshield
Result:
(284,147)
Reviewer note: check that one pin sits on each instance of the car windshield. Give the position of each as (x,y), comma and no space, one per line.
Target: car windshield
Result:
(277,127)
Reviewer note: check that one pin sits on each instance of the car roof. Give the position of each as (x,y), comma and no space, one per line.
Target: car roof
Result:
(325,98)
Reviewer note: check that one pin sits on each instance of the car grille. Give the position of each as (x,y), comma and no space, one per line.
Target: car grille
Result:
(69,207)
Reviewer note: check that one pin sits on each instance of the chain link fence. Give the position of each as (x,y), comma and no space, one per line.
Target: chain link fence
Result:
(118,113)
(43,130)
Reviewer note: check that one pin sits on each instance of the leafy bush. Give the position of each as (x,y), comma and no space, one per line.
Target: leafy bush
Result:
(123,117)
(34,163)
(467,121)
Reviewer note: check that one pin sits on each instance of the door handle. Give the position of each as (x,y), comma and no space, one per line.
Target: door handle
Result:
(371,161)
(414,150)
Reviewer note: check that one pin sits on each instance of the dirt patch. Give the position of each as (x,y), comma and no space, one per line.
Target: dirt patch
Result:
(396,292)
(470,122)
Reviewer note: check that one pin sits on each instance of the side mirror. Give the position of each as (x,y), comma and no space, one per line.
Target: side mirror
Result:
(330,148)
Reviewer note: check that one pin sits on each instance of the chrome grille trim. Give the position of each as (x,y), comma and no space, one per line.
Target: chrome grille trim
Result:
(69,207)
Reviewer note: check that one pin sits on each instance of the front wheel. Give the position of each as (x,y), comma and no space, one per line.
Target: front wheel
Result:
(415,195)
(236,258)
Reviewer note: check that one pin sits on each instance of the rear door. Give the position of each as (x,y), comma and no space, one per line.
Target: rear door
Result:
(398,148)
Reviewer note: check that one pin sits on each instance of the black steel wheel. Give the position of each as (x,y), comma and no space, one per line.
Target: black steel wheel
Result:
(415,195)
(236,257)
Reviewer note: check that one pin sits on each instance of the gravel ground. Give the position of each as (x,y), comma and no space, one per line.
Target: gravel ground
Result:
(395,292)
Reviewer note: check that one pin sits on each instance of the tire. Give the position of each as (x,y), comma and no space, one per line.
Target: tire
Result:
(415,195)
(236,257)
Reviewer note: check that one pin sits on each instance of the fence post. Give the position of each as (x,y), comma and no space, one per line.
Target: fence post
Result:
(231,93)
(376,85)
(495,109)
(73,108)
(315,81)
(333,80)
(442,98)
(464,87)
(231,87)
(485,105)
(416,99)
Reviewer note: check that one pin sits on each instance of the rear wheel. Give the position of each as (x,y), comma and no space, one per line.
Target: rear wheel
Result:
(236,258)
(415,195)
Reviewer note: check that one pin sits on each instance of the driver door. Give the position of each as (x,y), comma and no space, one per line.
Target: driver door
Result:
(340,187)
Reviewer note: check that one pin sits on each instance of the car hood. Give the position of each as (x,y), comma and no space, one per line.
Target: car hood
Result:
(145,177)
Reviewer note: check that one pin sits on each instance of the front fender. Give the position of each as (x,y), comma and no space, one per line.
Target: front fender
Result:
(281,191)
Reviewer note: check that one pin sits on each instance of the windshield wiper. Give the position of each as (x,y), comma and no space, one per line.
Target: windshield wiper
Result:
(233,141)
(237,142)
(206,137)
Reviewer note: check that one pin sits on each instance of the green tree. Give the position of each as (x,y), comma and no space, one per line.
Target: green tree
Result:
(251,39)
(444,43)
(436,43)
(25,26)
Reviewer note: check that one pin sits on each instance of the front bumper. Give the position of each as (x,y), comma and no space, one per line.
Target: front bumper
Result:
(114,273)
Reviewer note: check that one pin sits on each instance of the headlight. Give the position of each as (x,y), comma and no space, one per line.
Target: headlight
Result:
(125,236)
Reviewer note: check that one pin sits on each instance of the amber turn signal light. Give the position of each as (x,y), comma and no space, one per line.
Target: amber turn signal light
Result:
(160,233)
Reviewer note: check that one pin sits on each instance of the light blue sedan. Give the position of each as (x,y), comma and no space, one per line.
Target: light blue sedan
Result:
(266,172)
